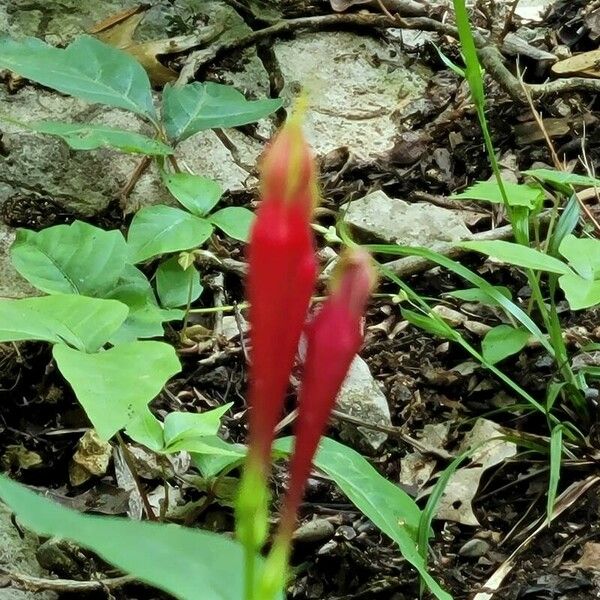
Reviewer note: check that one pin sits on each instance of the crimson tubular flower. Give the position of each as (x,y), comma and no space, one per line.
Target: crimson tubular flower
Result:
(281,279)
(333,339)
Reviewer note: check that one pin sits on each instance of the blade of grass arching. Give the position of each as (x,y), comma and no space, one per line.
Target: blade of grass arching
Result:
(556,449)
(510,307)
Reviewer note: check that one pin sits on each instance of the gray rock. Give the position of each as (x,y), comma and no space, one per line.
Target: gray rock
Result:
(358,89)
(18,556)
(361,397)
(12,285)
(420,224)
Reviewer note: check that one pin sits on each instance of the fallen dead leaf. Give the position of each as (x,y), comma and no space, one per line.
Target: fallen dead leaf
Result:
(17,457)
(585,63)
(118,31)
(590,559)
(91,458)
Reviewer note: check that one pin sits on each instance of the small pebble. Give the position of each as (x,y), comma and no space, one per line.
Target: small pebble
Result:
(474,548)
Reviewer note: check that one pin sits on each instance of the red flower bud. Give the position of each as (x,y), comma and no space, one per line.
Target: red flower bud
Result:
(333,339)
(281,279)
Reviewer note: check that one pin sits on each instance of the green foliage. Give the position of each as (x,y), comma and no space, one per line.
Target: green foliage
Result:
(503,341)
(528,196)
(175,559)
(87,69)
(188,109)
(519,255)
(116,385)
(90,137)
(176,285)
(198,194)
(162,229)
(478,295)
(235,221)
(70,259)
(84,323)
(562,179)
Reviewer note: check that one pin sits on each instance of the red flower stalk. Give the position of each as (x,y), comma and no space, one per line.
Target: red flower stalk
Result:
(333,339)
(281,279)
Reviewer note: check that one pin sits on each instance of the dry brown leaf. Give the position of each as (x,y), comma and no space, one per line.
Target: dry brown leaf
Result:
(590,559)
(586,63)
(91,458)
(119,29)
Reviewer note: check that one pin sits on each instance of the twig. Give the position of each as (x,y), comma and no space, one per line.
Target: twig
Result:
(393,432)
(28,583)
(490,55)
(135,177)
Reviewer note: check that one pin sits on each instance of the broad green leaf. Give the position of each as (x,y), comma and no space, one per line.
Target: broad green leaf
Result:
(198,194)
(87,69)
(210,464)
(580,292)
(85,323)
(146,429)
(161,229)
(503,341)
(115,386)
(187,563)
(529,196)
(146,318)
(235,221)
(479,295)
(182,426)
(518,255)
(194,107)
(583,255)
(89,137)
(70,259)
(176,286)
(385,504)
(562,178)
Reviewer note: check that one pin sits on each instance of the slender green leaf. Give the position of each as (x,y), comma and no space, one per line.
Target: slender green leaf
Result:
(235,221)
(474,279)
(583,255)
(85,323)
(188,109)
(518,255)
(473,70)
(198,194)
(562,178)
(87,69)
(187,563)
(70,259)
(528,196)
(478,295)
(430,324)
(556,449)
(565,225)
(385,504)
(115,386)
(580,292)
(175,286)
(161,229)
(503,341)
(89,137)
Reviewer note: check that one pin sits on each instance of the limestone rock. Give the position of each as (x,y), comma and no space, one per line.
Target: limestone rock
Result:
(362,397)
(420,224)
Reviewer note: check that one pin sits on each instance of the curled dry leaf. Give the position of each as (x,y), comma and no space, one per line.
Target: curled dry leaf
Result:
(118,31)
(91,458)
